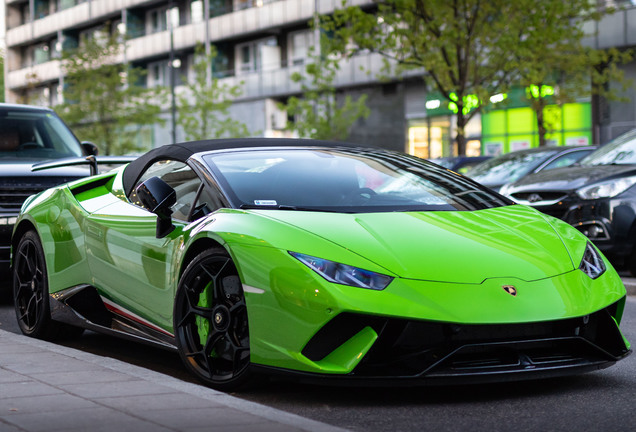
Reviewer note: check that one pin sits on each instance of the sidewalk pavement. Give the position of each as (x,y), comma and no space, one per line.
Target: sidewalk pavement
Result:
(48,387)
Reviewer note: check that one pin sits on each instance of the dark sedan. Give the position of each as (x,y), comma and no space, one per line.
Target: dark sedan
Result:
(513,166)
(597,196)
(29,135)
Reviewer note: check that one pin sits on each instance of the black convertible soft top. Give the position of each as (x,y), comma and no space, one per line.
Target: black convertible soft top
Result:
(182,151)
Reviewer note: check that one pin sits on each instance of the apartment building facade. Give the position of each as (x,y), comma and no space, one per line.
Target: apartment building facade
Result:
(260,44)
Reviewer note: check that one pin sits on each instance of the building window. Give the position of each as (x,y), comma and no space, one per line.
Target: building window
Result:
(158,74)
(299,44)
(158,19)
(243,4)
(41,53)
(258,55)
(196,11)
(25,13)
(219,7)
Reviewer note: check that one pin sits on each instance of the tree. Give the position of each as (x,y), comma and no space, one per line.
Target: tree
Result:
(103,100)
(203,108)
(553,64)
(463,47)
(318,114)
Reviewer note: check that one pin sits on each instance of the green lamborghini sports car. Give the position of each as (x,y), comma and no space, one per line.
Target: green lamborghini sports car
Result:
(323,261)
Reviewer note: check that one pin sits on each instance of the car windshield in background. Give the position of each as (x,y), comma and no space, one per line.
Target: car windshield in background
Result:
(344,180)
(35,135)
(621,151)
(509,167)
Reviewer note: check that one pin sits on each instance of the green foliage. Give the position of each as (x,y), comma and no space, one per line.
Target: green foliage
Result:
(461,46)
(203,109)
(470,50)
(318,114)
(551,56)
(103,101)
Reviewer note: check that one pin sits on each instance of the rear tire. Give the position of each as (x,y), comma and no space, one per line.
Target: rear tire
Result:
(210,321)
(31,293)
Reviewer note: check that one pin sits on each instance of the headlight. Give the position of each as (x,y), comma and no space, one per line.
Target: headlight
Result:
(592,264)
(606,189)
(344,274)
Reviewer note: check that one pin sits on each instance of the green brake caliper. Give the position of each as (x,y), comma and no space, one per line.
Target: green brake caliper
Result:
(206,300)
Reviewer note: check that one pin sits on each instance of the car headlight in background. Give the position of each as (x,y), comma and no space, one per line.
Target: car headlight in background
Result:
(606,189)
(344,274)
(592,264)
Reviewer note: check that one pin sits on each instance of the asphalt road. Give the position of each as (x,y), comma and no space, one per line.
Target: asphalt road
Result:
(603,400)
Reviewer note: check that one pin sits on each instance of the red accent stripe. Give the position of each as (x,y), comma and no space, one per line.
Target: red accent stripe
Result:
(126,314)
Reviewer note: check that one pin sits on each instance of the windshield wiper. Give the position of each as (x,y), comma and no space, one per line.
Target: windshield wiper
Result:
(283,207)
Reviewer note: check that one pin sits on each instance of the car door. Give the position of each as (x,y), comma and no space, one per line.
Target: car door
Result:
(131,267)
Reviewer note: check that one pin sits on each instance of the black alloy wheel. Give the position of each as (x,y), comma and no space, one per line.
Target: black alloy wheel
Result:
(31,292)
(210,321)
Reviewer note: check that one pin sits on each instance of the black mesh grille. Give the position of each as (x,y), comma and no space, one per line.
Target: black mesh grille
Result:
(14,193)
(11,199)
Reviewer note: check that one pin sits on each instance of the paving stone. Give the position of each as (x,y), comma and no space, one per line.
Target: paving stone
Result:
(7,427)
(26,388)
(90,419)
(158,402)
(29,363)
(188,418)
(58,403)
(7,376)
(263,426)
(12,347)
(75,377)
(115,389)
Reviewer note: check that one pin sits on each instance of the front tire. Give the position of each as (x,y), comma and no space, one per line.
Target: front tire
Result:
(210,321)
(31,292)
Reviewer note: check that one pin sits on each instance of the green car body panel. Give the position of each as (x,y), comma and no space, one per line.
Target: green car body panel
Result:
(99,238)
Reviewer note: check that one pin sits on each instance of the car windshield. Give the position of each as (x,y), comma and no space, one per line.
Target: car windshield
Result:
(344,180)
(35,135)
(620,151)
(509,167)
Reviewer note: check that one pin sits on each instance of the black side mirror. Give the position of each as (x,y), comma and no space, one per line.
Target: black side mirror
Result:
(89,148)
(157,196)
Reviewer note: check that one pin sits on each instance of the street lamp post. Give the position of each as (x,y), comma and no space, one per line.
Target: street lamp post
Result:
(171,66)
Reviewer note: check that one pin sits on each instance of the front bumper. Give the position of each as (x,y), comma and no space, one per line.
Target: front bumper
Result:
(445,352)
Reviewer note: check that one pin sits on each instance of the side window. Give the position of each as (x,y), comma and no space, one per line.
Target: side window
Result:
(207,202)
(187,186)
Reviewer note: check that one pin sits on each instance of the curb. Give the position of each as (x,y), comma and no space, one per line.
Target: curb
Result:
(195,390)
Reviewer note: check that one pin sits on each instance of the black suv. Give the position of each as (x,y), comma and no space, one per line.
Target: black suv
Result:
(30,135)
(597,196)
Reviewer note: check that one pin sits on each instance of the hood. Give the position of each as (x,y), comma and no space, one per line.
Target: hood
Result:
(13,169)
(572,178)
(454,246)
